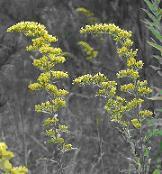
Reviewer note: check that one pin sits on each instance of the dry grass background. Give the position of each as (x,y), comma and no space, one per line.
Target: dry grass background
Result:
(101,149)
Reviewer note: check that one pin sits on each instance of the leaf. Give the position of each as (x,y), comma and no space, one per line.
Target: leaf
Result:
(150,15)
(159,58)
(158,47)
(150,5)
(154,68)
(156,33)
(155,98)
(156,171)
(154,18)
(148,23)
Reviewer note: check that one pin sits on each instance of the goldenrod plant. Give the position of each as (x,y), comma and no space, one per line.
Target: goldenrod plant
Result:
(47,80)
(5,165)
(125,97)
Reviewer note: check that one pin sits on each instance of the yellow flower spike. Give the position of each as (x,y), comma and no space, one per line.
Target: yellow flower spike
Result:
(139,64)
(127,87)
(136,123)
(134,103)
(34,86)
(145,113)
(5,165)
(46,49)
(128,73)
(3,146)
(144,90)
(128,43)
(123,51)
(67,147)
(4,153)
(50,121)
(30,29)
(88,79)
(19,170)
(59,74)
(131,62)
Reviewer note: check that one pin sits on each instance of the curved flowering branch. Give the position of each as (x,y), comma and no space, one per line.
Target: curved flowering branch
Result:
(47,80)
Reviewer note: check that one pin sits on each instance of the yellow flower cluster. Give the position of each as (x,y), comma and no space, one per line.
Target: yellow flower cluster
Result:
(89,79)
(5,164)
(50,121)
(47,49)
(89,51)
(145,113)
(134,103)
(35,86)
(127,88)
(142,88)
(46,63)
(41,41)
(133,63)
(136,123)
(55,91)
(128,73)
(107,88)
(45,78)
(50,106)
(57,139)
(116,108)
(32,29)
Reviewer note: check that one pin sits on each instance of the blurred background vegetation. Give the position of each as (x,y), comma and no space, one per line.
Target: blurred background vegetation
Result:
(100,148)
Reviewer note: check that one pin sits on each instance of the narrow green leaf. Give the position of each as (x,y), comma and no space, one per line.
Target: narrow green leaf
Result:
(150,5)
(150,15)
(148,23)
(154,67)
(156,33)
(159,58)
(156,46)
